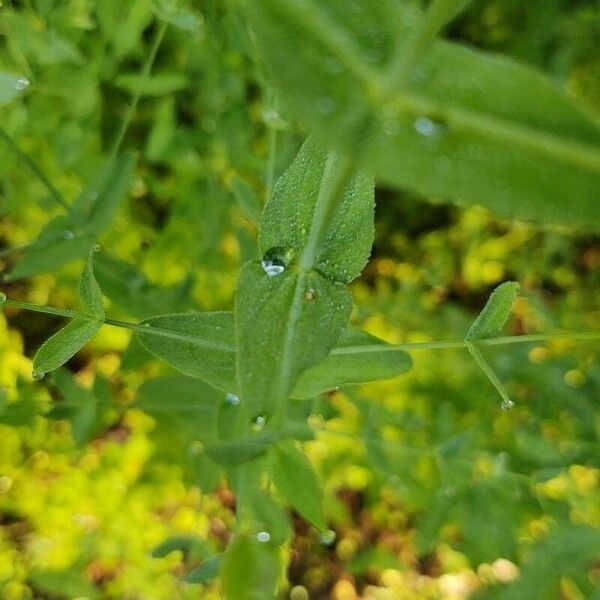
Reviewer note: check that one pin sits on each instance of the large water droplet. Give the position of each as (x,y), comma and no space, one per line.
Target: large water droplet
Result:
(233,399)
(21,83)
(263,536)
(428,127)
(328,537)
(37,375)
(507,405)
(67,235)
(275,261)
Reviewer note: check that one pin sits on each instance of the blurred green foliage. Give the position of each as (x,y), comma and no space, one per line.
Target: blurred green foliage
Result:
(432,491)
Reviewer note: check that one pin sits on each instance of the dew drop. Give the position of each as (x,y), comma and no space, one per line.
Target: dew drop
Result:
(37,375)
(233,399)
(97,248)
(325,105)
(67,234)
(259,423)
(506,405)
(263,536)
(391,127)
(196,447)
(310,294)
(328,537)
(21,83)
(2,297)
(427,127)
(275,261)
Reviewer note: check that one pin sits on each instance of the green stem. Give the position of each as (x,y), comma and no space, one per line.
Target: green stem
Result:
(56,196)
(158,37)
(490,374)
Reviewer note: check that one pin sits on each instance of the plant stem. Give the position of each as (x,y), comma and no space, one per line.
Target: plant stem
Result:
(158,37)
(56,196)
(489,372)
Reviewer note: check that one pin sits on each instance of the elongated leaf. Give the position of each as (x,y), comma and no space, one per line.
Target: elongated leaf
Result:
(266,516)
(58,244)
(503,135)
(198,344)
(11,86)
(247,199)
(64,344)
(296,481)
(288,215)
(358,357)
(250,570)
(206,572)
(495,313)
(89,290)
(286,324)
(98,204)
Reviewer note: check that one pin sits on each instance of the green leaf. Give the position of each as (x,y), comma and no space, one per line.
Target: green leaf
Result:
(197,344)
(63,345)
(98,204)
(505,135)
(11,86)
(206,572)
(296,481)
(289,213)
(238,451)
(250,570)
(89,290)
(185,19)
(189,403)
(358,357)
(58,243)
(189,545)
(263,515)
(286,324)
(495,313)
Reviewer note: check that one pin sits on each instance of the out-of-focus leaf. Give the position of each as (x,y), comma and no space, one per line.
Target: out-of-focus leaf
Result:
(286,324)
(206,572)
(238,451)
(250,570)
(69,583)
(89,290)
(185,19)
(464,125)
(296,481)
(288,216)
(495,313)
(157,85)
(11,86)
(190,545)
(247,199)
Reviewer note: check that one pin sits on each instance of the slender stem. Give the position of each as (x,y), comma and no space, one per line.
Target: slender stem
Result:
(158,37)
(489,372)
(35,169)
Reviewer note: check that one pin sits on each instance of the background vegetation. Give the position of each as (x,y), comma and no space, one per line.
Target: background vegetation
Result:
(431,490)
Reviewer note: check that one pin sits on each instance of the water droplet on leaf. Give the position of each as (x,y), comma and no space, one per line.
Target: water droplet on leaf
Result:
(196,448)
(259,423)
(263,536)
(507,405)
(328,537)
(96,248)
(310,294)
(37,375)
(233,399)
(21,83)
(275,261)
(428,127)
(68,235)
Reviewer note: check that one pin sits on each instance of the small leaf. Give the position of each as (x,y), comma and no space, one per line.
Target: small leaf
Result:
(236,452)
(495,313)
(250,570)
(206,572)
(188,544)
(296,481)
(64,344)
(89,290)
(288,215)
(286,324)
(11,86)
